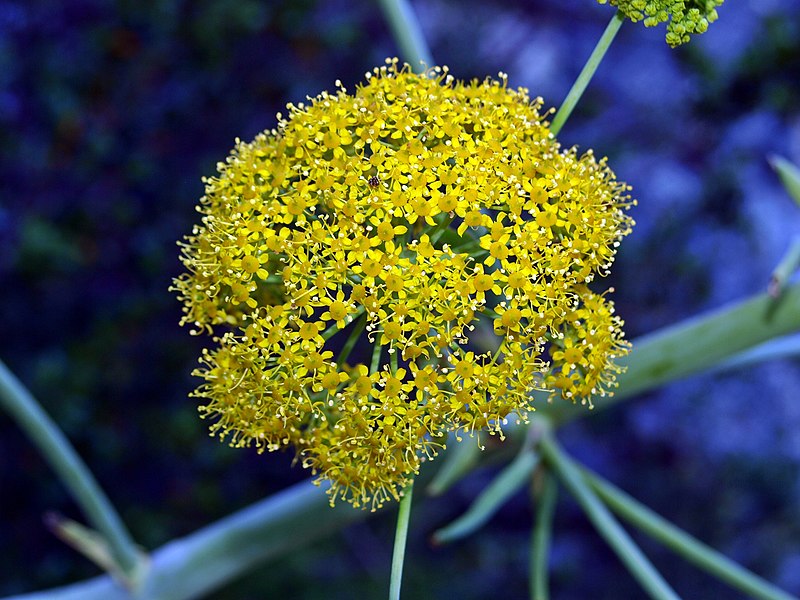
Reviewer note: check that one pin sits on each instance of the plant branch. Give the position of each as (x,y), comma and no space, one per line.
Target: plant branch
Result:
(490,499)
(401,533)
(202,562)
(587,73)
(681,542)
(616,537)
(542,532)
(72,471)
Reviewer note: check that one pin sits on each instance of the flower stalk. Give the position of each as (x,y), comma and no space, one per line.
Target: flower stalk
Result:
(407,32)
(681,542)
(616,537)
(401,534)
(586,74)
(545,497)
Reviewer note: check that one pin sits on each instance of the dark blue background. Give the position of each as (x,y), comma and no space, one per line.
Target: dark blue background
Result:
(110,113)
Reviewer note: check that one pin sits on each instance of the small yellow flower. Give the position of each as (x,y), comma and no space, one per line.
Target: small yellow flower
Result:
(347,259)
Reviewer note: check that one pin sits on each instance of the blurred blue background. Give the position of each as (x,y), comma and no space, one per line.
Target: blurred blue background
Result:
(111,112)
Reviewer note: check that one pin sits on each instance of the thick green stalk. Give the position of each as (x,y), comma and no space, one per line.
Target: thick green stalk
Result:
(72,471)
(587,73)
(681,542)
(407,33)
(540,540)
(616,537)
(400,536)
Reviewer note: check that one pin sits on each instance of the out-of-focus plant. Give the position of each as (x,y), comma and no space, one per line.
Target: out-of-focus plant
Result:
(439,230)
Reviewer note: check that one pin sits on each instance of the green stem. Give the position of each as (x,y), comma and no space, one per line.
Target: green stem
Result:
(196,565)
(789,174)
(616,537)
(681,542)
(460,459)
(542,532)
(587,73)
(439,230)
(375,363)
(72,471)
(781,348)
(407,33)
(400,536)
(352,339)
(787,267)
(490,499)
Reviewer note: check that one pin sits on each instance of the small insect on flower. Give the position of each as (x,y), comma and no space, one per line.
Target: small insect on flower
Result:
(373,181)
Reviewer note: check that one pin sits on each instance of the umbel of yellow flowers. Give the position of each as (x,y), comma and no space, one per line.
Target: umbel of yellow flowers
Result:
(391,265)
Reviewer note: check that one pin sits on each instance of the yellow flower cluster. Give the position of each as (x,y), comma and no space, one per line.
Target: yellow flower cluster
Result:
(685,17)
(396,264)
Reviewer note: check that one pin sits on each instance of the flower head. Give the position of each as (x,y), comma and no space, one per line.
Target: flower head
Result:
(395,264)
(684,17)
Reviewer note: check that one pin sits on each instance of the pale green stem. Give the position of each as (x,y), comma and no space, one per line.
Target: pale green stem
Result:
(616,537)
(789,174)
(787,267)
(400,536)
(407,33)
(460,459)
(491,499)
(435,233)
(587,73)
(69,467)
(542,532)
(681,542)
(377,349)
(785,347)
(352,339)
